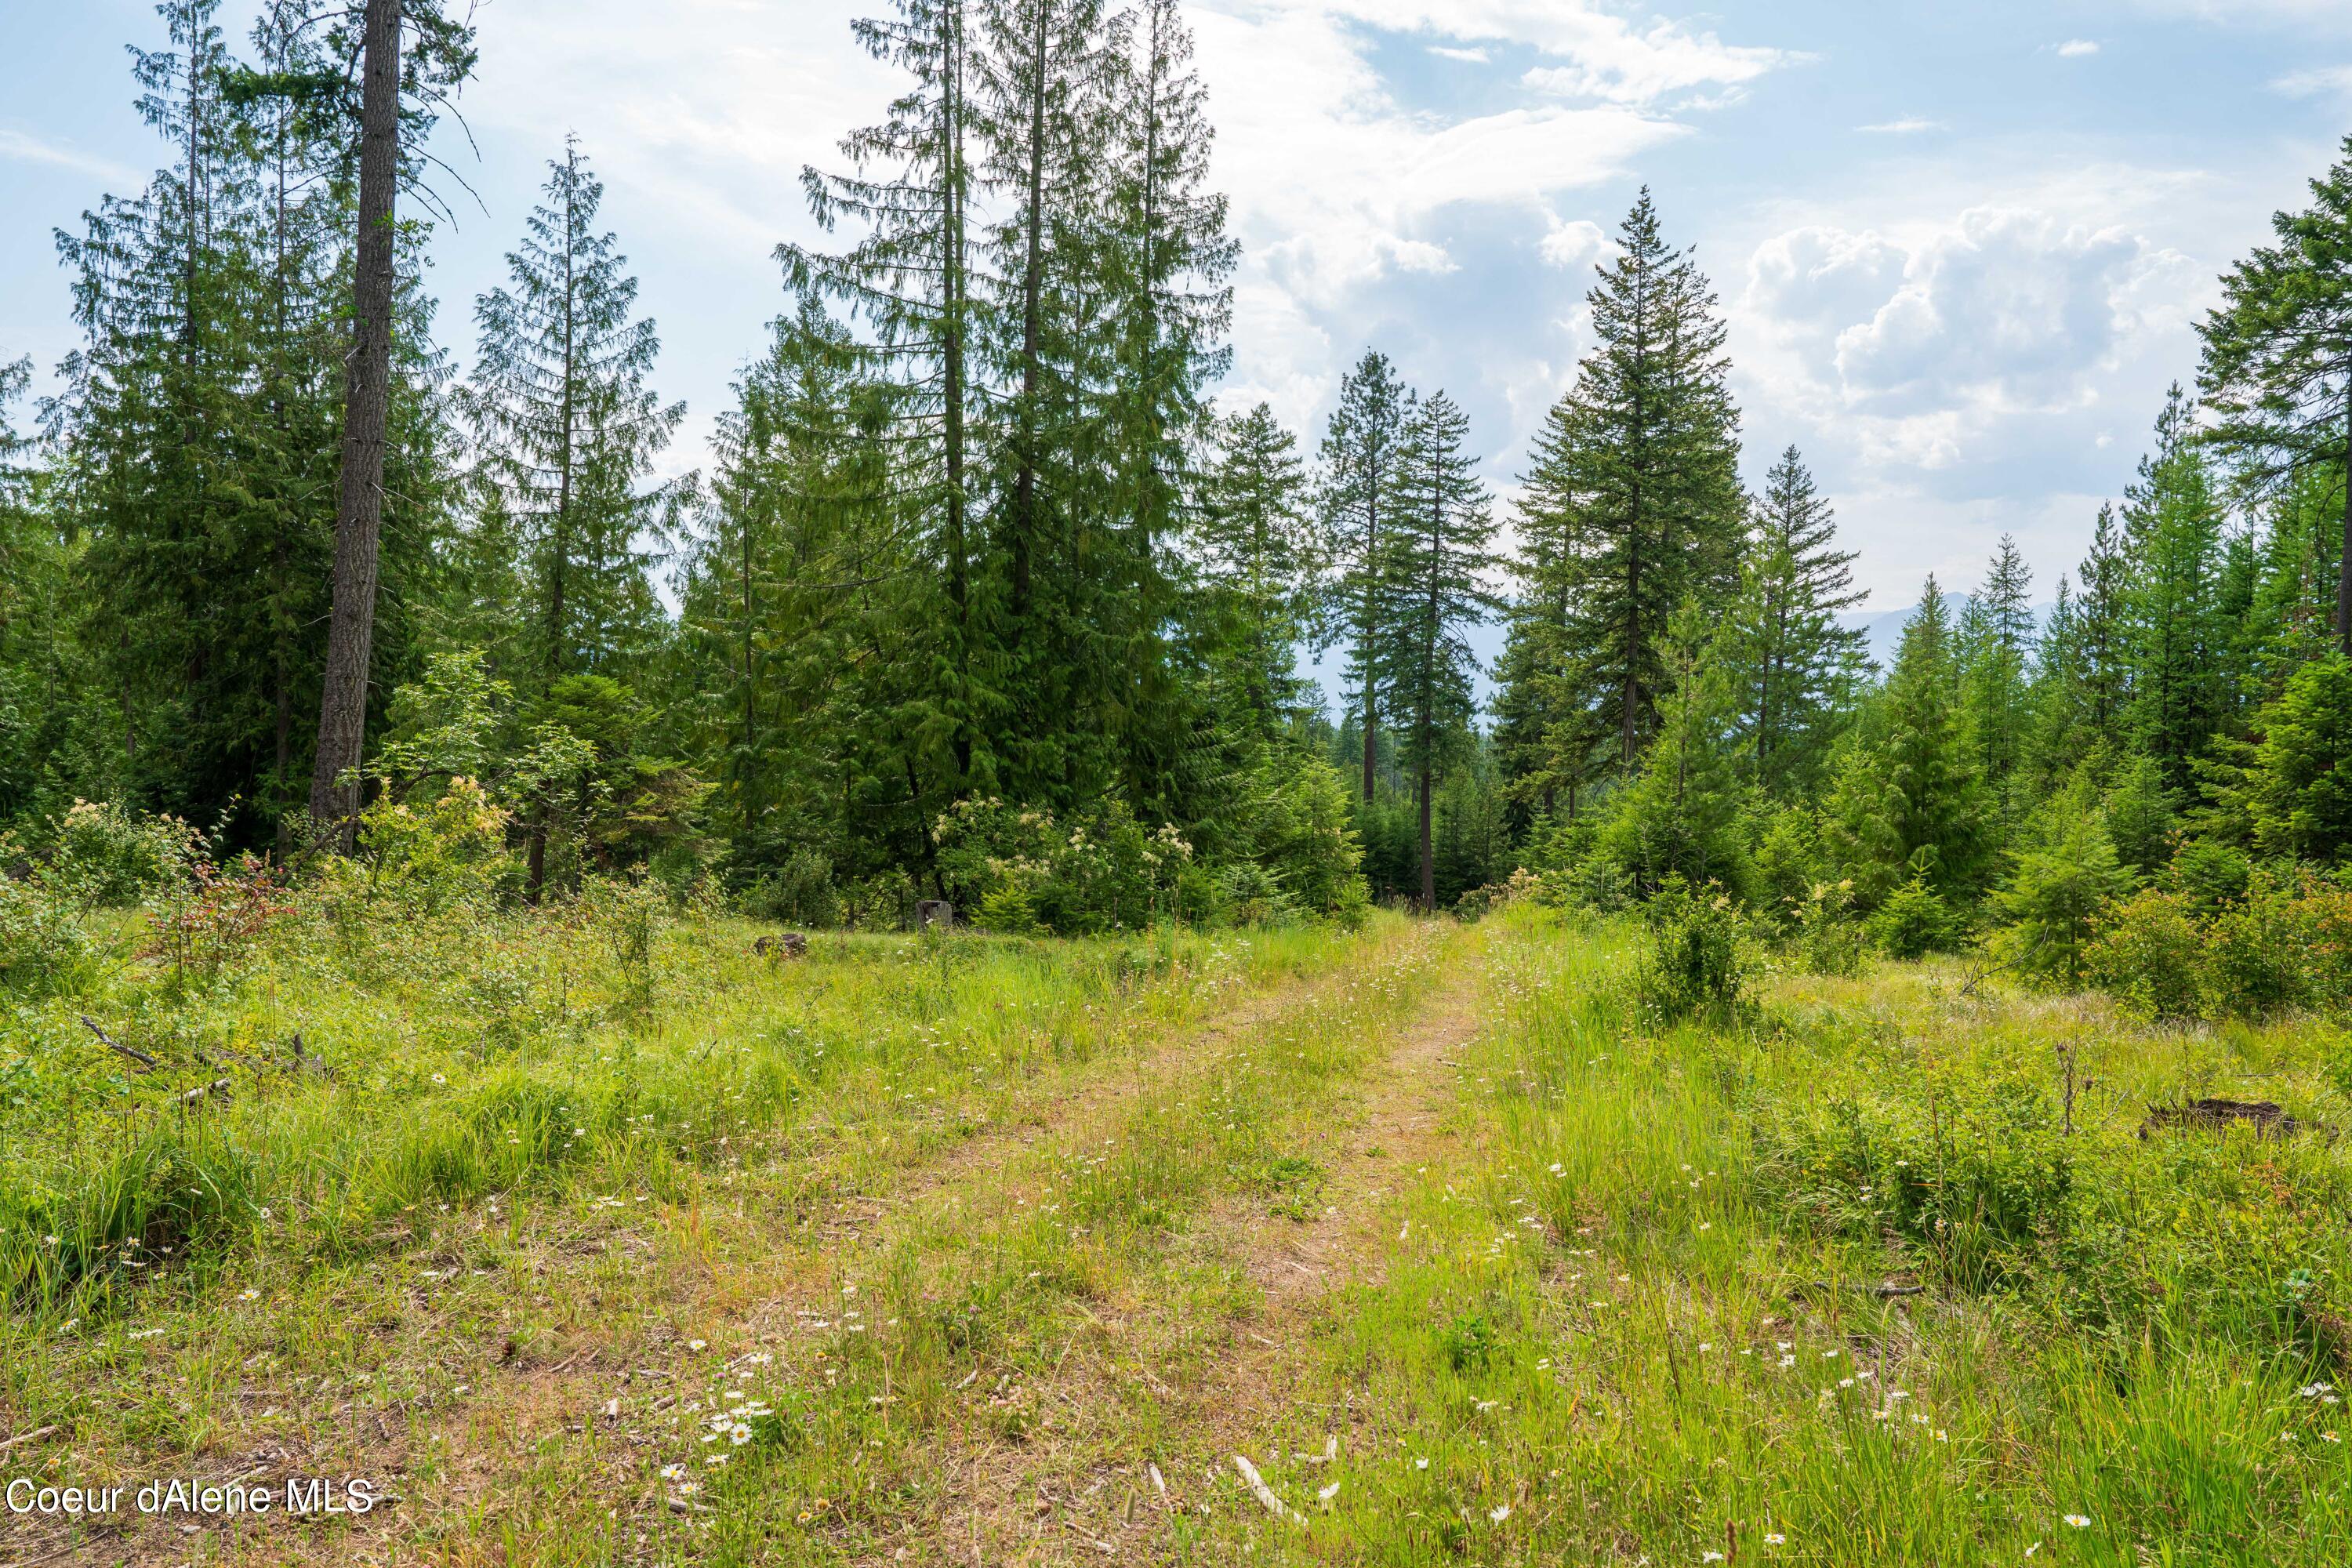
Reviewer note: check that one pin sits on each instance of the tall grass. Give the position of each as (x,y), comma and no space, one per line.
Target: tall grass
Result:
(473,1054)
(1839,1284)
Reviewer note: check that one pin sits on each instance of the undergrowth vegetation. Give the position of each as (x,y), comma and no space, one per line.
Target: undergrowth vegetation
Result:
(1883,1270)
(325,1072)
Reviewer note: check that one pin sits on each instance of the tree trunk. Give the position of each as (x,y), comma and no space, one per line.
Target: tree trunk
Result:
(1033,281)
(1372,612)
(367,404)
(2344,564)
(1428,861)
(951,391)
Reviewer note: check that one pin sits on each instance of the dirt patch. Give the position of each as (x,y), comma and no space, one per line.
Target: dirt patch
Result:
(1075,1492)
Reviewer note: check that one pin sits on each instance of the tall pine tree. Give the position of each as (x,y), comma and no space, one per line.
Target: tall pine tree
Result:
(1643,456)
(1435,567)
(1796,666)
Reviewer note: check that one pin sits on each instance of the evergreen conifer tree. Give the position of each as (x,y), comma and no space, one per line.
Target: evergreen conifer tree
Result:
(1796,666)
(2277,368)
(1641,460)
(1435,567)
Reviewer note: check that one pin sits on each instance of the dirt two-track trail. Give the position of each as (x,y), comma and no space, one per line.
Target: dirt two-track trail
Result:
(543,1461)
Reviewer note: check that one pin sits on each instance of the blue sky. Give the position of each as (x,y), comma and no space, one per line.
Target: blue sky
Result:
(1961,247)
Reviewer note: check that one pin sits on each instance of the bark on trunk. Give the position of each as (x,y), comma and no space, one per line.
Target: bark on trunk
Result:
(1428,861)
(1033,281)
(367,401)
(2344,565)
(951,274)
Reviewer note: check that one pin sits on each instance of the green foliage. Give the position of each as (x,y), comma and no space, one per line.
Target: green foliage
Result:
(1913,922)
(2148,950)
(2210,874)
(2273,349)
(2299,788)
(1976,1177)
(1695,964)
(2140,817)
(2285,944)
(1102,872)
(45,947)
(799,892)
(2063,881)
(1683,815)
(1793,665)
(106,856)
(443,850)
(1300,830)
(1828,940)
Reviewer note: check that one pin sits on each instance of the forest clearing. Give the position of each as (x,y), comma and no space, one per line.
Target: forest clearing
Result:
(607,1239)
(1369,782)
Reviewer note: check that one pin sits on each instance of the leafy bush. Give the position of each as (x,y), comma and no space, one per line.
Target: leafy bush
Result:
(44,948)
(2287,943)
(108,856)
(2148,951)
(434,854)
(1829,940)
(1913,921)
(1694,963)
(801,891)
(2256,961)
(1104,871)
(214,918)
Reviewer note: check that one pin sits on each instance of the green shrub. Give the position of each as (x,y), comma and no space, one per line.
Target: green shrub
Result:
(1913,921)
(799,892)
(106,856)
(45,949)
(1101,871)
(2148,951)
(1693,965)
(2256,952)
(2058,889)
(429,855)
(1828,940)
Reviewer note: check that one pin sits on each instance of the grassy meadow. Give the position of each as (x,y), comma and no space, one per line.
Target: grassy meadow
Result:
(594,1234)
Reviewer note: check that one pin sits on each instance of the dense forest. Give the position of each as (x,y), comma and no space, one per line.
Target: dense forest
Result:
(985,595)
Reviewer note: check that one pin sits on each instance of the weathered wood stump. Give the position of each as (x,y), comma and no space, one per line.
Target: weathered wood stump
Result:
(932,912)
(2262,1115)
(784,944)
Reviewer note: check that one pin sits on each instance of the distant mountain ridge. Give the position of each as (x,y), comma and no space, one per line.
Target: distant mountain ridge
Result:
(1883,629)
